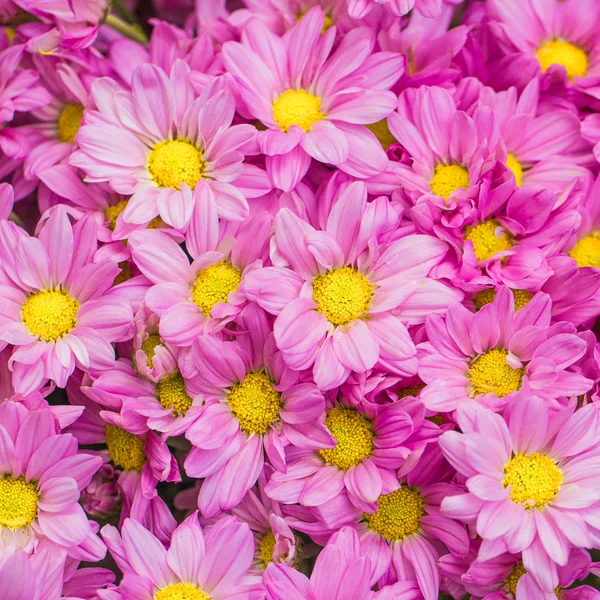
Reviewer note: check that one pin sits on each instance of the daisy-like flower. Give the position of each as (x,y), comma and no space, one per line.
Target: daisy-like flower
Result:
(254,405)
(55,308)
(495,353)
(274,540)
(530,481)
(450,151)
(197,566)
(369,446)
(164,145)
(538,149)
(341,571)
(342,301)
(41,479)
(428,8)
(202,297)
(558,41)
(314,103)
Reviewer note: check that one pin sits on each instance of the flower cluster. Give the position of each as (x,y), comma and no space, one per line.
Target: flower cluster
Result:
(299,299)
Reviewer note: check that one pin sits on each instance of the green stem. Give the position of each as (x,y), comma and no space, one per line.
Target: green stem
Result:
(130,31)
(124,11)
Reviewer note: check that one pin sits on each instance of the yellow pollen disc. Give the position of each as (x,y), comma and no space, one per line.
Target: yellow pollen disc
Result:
(112,213)
(586,251)
(353,434)
(522,297)
(255,403)
(10,33)
(515,166)
(126,449)
(50,314)
(181,591)
(149,347)
(342,295)
(382,133)
(513,578)
(171,394)
(398,514)
(18,502)
(69,122)
(448,179)
(559,52)
(214,285)
(297,107)
(485,241)
(534,479)
(327,22)
(173,162)
(267,547)
(490,373)
(412,390)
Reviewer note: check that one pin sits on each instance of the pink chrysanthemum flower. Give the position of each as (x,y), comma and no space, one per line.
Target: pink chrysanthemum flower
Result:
(341,572)
(314,104)
(255,405)
(530,480)
(450,151)
(558,41)
(539,149)
(7,200)
(495,353)
(200,566)
(56,311)
(41,479)
(427,8)
(202,297)
(342,301)
(368,447)
(164,145)
(274,540)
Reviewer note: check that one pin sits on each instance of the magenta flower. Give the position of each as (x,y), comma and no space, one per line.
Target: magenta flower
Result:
(342,301)
(255,405)
(168,148)
(203,566)
(340,572)
(202,297)
(41,478)
(56,310)
(494,354)
(7,200)
(531,485)
(314,103)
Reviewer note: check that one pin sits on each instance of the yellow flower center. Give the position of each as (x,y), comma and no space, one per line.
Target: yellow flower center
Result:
(214,285)
(267,547)
(50,314)
(126,449)
(522,297)
(171,394)
(490,373)
(559,52)
(18,502)
(448,179)
(255,403)
(342,295)
(513,578)
(515,166)
(437,419)
(486,242)
(297,107)
(411,390)
(327,23)
(125,274)
(382,133)
(586,251)
(112,213)
(69,122)
(534,479)
(181,591)
(149,347)
(398,514)
(173,162)
(353,434)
